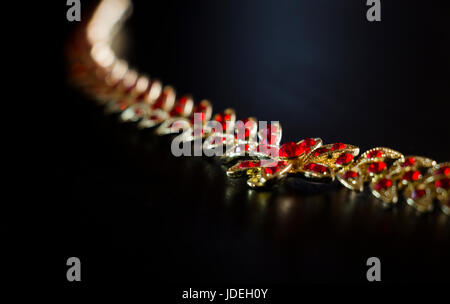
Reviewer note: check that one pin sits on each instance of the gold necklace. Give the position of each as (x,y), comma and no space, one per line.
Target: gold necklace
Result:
(96,70)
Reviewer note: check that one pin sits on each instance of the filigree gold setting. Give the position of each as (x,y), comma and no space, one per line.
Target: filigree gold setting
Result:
(257,155)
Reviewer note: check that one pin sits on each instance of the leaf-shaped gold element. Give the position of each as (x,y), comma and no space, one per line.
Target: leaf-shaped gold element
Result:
(374,166)
(351,178)
(384,188)
(410,169)
(377,162)
(323,161)
(260,172)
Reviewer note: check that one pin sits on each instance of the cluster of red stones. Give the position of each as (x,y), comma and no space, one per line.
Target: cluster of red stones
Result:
(291,149)
(374,154)
(338,146)
(412,175)
(318,168)
(384,183)
(249,164)
(344,159)
(350,174)
(277,167)
(376,167)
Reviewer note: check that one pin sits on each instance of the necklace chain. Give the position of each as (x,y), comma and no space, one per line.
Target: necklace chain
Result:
(96,70)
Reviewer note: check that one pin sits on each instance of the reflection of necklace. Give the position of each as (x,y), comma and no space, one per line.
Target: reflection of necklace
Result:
(96,70)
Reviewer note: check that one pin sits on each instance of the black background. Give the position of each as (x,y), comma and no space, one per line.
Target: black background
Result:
(134,213)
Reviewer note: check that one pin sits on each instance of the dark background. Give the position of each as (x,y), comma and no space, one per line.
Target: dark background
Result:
(133,213)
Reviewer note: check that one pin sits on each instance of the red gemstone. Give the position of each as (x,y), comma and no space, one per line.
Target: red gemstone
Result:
(383,183)
(160,101)
(200,108)
(374,153)
(274,169)
(247,133)
(315,168)
(350,174)
(411,175)
(179,107)
(176,111)
(418,193)
(443,183)
(309,142)
(338,146)
(344,158)
(376,167)
(409,162)
(291,149)
(249,164)
(319,151)
(141,97)
(445,170)
(244,164)
(123,105)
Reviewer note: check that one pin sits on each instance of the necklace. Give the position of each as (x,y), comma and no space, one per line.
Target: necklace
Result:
(247,152)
